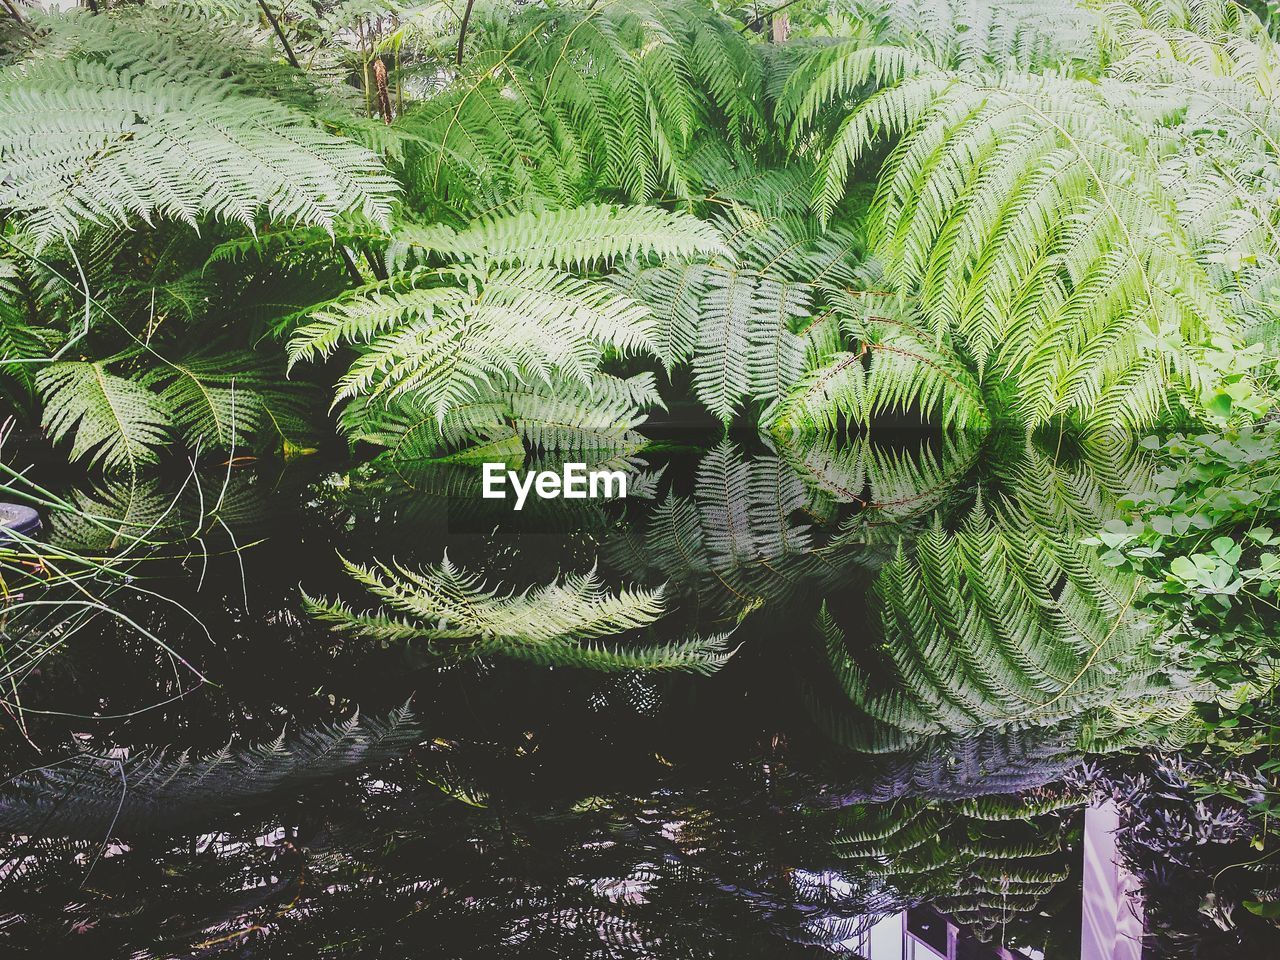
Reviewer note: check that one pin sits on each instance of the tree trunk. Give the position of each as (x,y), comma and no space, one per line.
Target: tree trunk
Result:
(781,24)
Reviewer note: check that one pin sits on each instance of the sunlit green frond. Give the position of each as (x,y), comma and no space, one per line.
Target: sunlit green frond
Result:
(896,371)
(578,238)
(674,293)
(526,323)
(557,103)
(112,422)
(1026,216)
(361,315)
(745,345)
(159,147)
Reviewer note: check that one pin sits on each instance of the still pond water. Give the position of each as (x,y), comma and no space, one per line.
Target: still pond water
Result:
(896,762)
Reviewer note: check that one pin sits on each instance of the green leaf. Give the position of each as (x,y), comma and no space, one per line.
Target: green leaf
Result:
(112,422)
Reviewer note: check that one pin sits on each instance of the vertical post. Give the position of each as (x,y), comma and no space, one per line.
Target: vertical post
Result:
(1111,924)
(780,24)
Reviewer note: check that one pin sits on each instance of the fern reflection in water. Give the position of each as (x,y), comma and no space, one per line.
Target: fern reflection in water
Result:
(386,830)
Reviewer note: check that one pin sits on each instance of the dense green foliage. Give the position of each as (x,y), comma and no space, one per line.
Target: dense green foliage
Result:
(519,230)
(1033,225)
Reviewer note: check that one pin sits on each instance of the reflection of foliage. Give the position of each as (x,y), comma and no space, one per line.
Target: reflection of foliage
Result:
(115,514)
(1207,890)
(745,538)
(983,861)
(124,793)
(1203,542)
(950,768)
(453,844)
(82,574)
(1009,621)
(560,623)
(509,419)
(894,487)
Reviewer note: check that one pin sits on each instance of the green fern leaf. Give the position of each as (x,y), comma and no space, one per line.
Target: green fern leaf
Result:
(112,422)
(161,146)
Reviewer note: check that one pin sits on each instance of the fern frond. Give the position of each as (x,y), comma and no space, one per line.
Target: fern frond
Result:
(359,316)
(160,147)
(526,323)
(1025,215)
(112,422)
(559,623)
(902,373)
(223,400)
(579,238)
(25,336)
(698,655)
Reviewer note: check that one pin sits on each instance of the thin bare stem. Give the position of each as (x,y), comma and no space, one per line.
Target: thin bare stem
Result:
(751,24)
(19,19)
(462,31)
(284,41)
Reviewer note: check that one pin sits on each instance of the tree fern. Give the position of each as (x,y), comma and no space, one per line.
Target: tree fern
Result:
(737,318)
(561,623)
(1006,34)
(162,143)
(577,238)
(445,336)
(1025,215)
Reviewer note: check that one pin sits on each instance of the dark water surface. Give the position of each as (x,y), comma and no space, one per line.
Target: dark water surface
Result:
(914,770)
